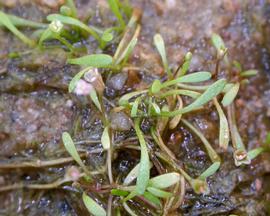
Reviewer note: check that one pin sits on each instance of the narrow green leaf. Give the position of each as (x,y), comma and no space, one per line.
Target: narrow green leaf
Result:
(125,98)
(165,180)
(47,34)
(94,60)
(218,42)
(74,22)
(184,68)
(21,22)
(114,6)
(190,78)
(134,109)
(255,152)
(159,193)
(230,95)
(132,175)
(93,208)
(94,98)
(152,198)
(75,79)
(192,94)
(5,21)
(144,171)
(156,86)
(211,92)
(210,171)
(70,147)
(72,6)
(249,73)
(127,51)
(117,192)
(159,43)
(105,139)
(224,132)
(154,108)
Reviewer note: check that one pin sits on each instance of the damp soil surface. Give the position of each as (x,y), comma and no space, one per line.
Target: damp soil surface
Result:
(35,106)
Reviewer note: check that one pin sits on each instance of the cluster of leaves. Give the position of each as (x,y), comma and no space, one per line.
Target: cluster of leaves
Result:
(161,101)
(66,27)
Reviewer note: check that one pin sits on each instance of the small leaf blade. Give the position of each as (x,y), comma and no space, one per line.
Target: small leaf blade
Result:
(159,193)
(230,95)
(210,171)
(92,206)
(159,43)
(70,147)
(165,180)
(94,60)
(105,139)
(144,171)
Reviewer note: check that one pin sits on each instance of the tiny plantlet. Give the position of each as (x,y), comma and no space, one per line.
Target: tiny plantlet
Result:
(158,114)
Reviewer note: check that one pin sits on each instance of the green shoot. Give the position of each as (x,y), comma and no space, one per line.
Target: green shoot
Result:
(125,98)
(230,95)
(5,21)
(118,192)
(94,98)
(159,43)
(156,86)
(126,53)
(249,73)
(46,35)
(94,60)
(114,6)
(74,22)
(93,208)
(218,42)
(70,4)
(152,198)
(134,109)
(189,93)
(211,152)
(144,171)
(132,175)
(165,180)
(70,147)
(254,153)
(154,109)
(190,78)
(210,171)
(105,139)
(159,193)
(211,92)
(75,79)
(21,22)
(224,133)
(184,68)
